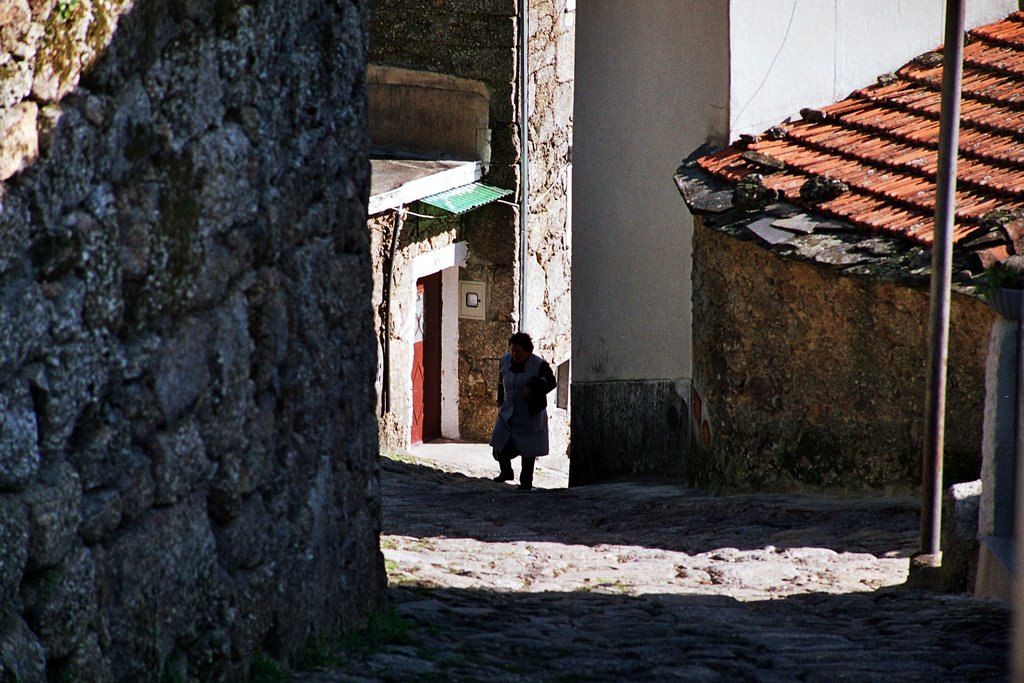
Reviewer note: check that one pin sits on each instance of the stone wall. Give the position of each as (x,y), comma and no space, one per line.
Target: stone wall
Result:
(187,449)
(477,39)
(809,379)
(548,279)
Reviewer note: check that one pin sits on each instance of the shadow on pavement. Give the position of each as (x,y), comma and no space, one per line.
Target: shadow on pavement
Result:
(893,635)
(422,501)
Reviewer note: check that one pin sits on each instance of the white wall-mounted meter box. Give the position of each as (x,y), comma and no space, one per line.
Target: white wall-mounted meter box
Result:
(472,300)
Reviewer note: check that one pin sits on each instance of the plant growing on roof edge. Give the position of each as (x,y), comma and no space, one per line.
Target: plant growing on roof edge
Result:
(1002,286)
(1008,274)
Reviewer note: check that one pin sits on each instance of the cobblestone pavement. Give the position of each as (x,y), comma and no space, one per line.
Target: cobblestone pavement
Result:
(657,582)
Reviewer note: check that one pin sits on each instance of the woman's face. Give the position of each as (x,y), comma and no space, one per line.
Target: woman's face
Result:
(519,354)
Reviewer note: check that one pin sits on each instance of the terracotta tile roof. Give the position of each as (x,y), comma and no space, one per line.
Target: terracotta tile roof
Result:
(882,140)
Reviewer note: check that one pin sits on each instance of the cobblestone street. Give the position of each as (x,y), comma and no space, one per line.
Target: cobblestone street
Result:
(653,581)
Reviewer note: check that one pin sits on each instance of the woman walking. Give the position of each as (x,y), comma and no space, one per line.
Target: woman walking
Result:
(524,380)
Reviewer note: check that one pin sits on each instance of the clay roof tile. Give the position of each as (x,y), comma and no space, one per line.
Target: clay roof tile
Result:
(881,142)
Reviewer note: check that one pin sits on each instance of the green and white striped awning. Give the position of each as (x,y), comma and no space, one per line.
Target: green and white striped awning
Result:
(465,197)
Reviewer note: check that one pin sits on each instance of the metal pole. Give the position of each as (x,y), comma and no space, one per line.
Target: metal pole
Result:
(524,155)
(942,267)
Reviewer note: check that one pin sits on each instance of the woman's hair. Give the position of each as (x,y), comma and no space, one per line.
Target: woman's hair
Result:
(521,339)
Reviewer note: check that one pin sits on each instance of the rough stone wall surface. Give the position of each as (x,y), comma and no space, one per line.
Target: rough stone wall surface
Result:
(812,380)
(477,39)
(187,444)
(548,280)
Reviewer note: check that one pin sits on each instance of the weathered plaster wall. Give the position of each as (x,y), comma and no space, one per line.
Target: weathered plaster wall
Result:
(788,54)
(812,380)
(477,39)
(187,449)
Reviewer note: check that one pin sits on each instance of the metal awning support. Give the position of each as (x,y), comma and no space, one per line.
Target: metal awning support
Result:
(930,554)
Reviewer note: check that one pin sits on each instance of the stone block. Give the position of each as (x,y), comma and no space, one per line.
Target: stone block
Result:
(14,541)
(14,229)
(179,462)
(85,663)
(23,319)
(15,84)
(19,141)
(182,369)
(97,446)
(159,585)
(228,403)
(135,485)
(19,445)
(185,88)
(60,51)
(22,657)
(69,161)
(60,603)
(65,301)
(103,306)
(565,60)
(76,375)
(100,513)
(15,22)
(226,159)
(53,502)
(251,539)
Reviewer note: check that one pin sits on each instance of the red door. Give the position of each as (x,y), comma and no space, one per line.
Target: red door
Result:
(426,361)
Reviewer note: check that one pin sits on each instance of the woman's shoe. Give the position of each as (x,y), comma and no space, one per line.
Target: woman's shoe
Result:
(504,477)
(525,487)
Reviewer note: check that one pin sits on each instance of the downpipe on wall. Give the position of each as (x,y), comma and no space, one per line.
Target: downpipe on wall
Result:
(524,155)
(389,276)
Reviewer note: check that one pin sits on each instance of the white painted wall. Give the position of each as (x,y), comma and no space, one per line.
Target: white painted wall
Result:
(790,54)
(651,86)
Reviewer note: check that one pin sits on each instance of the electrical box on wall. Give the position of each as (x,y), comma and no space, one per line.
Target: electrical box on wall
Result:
(472,300)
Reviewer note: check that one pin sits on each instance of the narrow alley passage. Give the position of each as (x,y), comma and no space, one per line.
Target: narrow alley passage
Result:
(656,582)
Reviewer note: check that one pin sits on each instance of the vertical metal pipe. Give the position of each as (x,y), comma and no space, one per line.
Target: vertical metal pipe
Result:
(524,154)
(389,275)
(942,268)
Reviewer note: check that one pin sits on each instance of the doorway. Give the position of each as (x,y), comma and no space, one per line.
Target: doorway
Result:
(426,361)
